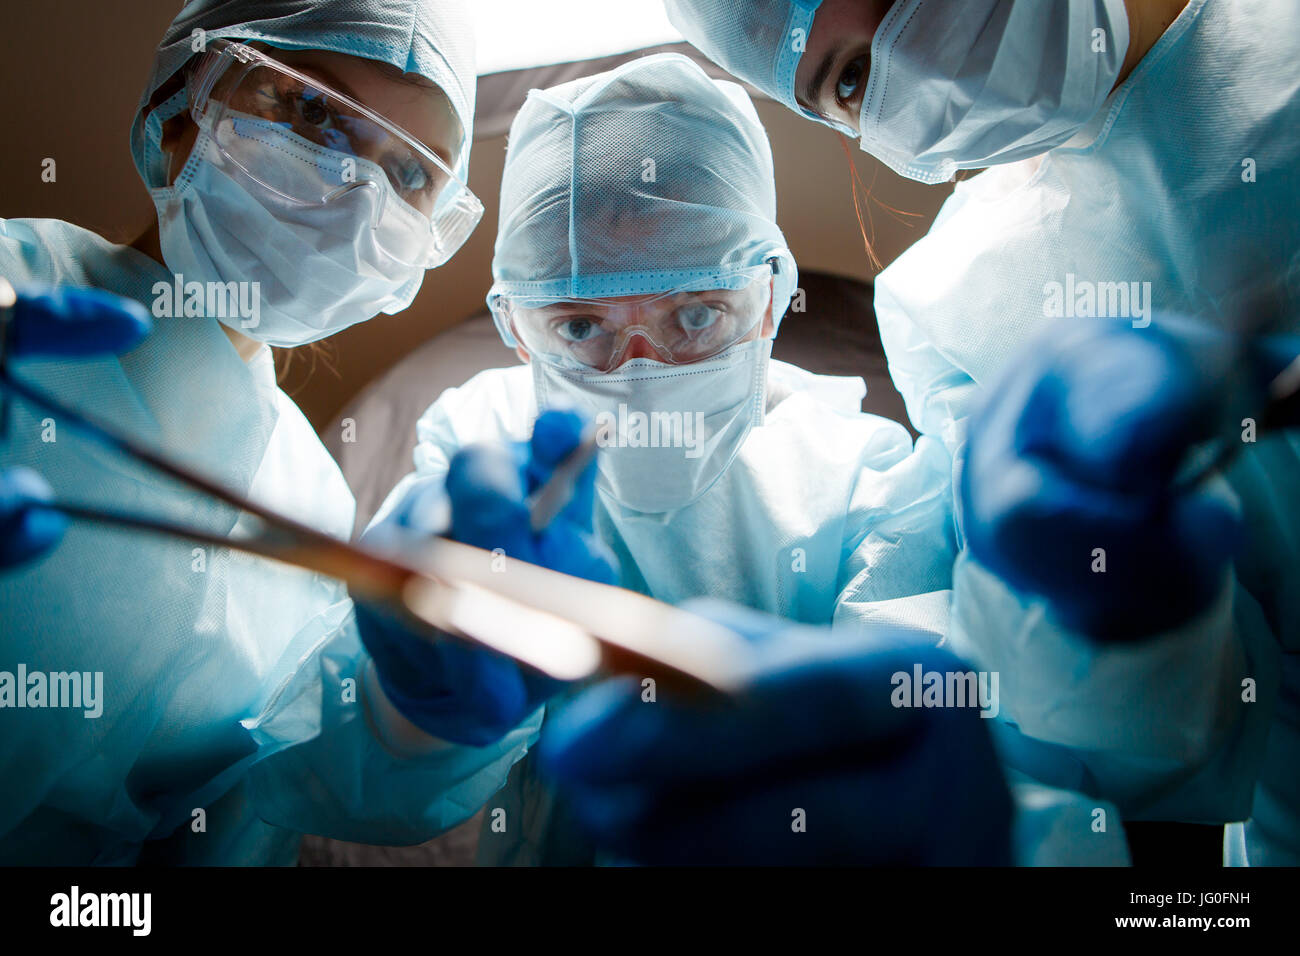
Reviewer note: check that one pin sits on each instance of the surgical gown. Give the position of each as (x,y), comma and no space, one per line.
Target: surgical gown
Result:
(1182,192)
(234,709)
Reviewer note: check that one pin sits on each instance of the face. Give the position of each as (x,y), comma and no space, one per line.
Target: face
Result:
(682,328)
(409,102)
(832,75)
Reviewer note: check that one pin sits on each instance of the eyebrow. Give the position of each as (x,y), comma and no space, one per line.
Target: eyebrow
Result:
(328,77)
(562,308)
(812,91)
(567,307)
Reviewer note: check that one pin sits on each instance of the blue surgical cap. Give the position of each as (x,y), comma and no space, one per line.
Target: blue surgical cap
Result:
(650,178)
(760,41)
(432,38)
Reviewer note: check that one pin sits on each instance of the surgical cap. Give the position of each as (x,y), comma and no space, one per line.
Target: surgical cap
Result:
(760,41)
(647,179)
(432,38)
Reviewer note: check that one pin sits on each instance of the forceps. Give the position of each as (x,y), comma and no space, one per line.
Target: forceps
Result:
(566,627)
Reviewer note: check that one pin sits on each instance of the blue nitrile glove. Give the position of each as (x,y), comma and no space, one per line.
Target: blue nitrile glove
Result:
(680,780)
(446,687)
(73,323)
(26,529)
(56,323)
(1076,448)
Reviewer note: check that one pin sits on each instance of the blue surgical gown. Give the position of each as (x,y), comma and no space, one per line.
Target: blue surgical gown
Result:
(235,712)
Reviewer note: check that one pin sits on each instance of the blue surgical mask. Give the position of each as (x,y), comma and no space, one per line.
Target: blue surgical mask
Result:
(982,82)
(318,268)
(666,433)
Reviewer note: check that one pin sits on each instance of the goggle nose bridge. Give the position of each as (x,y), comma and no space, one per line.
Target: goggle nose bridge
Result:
(625,340)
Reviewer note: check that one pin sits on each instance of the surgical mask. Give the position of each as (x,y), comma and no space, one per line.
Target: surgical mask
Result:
(982,82)
(318,268)
(666,433)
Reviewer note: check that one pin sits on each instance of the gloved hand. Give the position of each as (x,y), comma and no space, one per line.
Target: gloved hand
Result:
(56,323)
(26,529)
(1076,448)
(676,781)
(69,322)
(447,687)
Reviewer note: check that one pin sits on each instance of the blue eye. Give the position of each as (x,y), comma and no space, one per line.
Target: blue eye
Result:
(576,330)
(698,317)
(409,177)
(851,80)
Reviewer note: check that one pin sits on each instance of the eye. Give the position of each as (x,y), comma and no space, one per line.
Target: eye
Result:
(313,108)
(409,176)
(851,80)
(697,317)
(577,330)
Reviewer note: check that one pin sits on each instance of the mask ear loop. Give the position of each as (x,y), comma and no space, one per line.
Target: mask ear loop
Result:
(155,158)
(197,77)
(201,74)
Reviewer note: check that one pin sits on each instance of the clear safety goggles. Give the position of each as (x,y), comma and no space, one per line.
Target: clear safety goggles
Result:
(237,93)
(689,324)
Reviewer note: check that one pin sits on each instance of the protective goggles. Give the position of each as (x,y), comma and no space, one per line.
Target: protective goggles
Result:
(685,325)
(237,93)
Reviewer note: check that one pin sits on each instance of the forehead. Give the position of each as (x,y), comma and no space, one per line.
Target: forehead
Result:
(410,101)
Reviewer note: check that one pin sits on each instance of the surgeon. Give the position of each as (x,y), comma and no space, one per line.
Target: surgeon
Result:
(641,275)
(307,161)
(1139,158)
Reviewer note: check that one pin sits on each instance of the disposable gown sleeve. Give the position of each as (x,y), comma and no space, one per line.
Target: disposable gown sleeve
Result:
(1169,728)
(900,545)
(936,391)
(344,782)
(900,577)
(341,781)
(1151,726)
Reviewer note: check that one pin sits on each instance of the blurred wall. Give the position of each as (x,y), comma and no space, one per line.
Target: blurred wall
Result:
(73,73)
